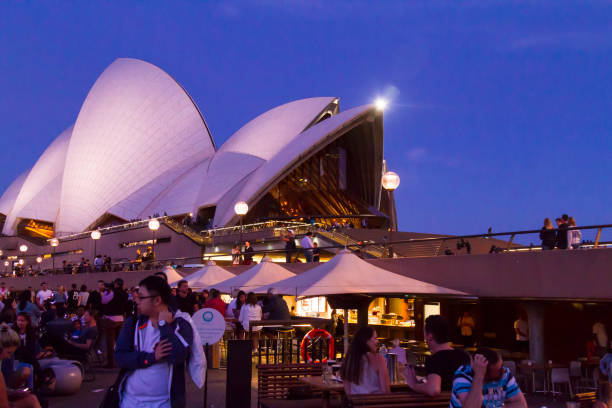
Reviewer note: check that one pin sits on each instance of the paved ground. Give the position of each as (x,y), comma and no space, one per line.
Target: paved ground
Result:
(91,393)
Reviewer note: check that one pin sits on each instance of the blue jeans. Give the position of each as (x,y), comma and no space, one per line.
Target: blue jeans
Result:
(308,255)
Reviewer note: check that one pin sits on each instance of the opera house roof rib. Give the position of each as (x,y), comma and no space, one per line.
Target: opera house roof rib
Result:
(140,146)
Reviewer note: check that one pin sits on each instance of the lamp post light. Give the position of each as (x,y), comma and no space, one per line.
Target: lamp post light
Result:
(23,248)
(95,235)
(39,261)
(241,208)
(390,182)
(6,265)
(54,243)
(153,226)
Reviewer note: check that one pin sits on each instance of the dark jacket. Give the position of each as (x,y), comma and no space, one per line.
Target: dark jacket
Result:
(118,304)
(562,236)
(548,237)
(129,358)
(277,307)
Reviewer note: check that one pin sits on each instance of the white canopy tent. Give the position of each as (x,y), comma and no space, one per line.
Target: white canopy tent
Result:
(260,276)
(207,277)
(172,275)
(347,274)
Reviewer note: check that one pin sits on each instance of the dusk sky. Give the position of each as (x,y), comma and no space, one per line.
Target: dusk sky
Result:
(501,112)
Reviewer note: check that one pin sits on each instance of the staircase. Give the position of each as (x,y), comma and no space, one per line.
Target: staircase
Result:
(375,251)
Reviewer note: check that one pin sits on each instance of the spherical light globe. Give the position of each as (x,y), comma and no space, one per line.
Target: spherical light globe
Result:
(381,104)
(38,259)
(154,225)
(54,242)
(241,208)
(21,262)
(1,253)
(390,180)
(95,234)
(23,248)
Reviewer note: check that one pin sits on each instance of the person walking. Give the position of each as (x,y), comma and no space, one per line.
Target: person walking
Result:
(290,247)
(364,371)
(548,235)
(306,243)
(155,349)
(115,306)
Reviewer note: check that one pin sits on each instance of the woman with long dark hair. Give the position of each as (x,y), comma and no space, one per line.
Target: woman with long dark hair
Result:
(26,306)
(248,312)
(363,370)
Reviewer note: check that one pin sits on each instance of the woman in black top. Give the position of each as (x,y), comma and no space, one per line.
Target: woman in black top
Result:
(548,235)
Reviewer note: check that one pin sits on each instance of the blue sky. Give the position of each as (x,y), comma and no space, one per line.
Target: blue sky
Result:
(501,112)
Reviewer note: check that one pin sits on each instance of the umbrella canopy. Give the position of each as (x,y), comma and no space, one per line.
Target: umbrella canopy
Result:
(172,275)
(346,273)
(261,275)
(208,276)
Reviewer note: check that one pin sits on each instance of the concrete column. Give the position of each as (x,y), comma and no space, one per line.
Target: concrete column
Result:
(535,314)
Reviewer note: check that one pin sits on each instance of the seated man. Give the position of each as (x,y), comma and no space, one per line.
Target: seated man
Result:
(86,338)
(486,383)
(443,362)
(275,309)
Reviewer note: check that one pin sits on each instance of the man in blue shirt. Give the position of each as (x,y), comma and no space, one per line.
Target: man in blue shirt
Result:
(486,383)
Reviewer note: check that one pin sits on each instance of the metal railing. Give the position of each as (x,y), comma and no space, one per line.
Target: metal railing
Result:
(258,226)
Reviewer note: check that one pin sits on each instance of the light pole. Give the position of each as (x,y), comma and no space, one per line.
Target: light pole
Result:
(391,181)
(95,235)
(54,243)
(6,265)
(241,208)
(39,261)
(153,226)
(21,262)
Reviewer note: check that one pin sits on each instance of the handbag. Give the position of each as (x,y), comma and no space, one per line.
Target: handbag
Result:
(111,397)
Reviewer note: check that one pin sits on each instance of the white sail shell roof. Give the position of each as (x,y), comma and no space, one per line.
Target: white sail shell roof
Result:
(39,196)
(10,194)
(298,150)
(135,122)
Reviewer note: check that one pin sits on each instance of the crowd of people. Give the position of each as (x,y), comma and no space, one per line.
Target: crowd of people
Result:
(561,237)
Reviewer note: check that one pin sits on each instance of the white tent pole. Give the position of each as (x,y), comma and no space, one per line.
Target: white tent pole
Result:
(346,336)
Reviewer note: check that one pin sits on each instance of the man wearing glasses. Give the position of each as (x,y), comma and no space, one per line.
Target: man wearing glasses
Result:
(486,383)
(154,350)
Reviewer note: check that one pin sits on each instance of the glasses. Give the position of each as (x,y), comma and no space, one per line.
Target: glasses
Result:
(139,298)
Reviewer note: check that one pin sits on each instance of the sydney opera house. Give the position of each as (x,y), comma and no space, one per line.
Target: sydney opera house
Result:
(139,146)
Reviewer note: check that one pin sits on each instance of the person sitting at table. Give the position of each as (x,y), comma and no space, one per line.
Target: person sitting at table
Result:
(364,371)
(248,312)
(443,362)
(485,382)
(274,309)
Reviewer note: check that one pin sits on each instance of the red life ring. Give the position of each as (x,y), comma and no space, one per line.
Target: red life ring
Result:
(311,335)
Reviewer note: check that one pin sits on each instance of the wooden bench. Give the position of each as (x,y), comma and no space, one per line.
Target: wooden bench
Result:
(275,380)
(399,399)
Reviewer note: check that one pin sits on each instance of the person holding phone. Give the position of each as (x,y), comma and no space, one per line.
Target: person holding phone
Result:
(486,383)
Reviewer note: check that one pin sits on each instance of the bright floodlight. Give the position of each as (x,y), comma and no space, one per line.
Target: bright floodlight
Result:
(54,242)
(38,259)
(241,208)
(95,234)
(154,224)
(390,180)
(6,263)
(381,104)
(1,253)
(23,248)
(21,262)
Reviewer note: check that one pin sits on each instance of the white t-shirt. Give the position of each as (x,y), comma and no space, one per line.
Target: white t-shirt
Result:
(43,295)
(229,311)
(306,242)
(84,297)
(148,387)
(523,327)
(249,312)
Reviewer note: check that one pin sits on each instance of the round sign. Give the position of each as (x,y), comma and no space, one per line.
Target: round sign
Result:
(210,325)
